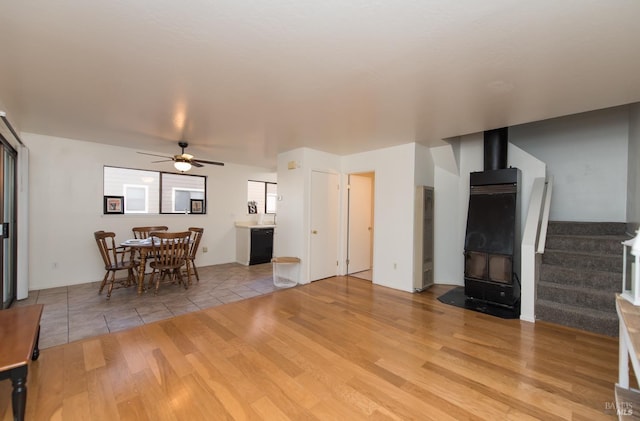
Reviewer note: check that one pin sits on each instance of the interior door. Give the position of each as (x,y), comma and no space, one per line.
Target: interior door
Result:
(325,201)
(360,234)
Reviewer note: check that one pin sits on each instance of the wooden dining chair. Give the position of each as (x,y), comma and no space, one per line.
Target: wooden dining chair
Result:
(115,258)
(170,251)
(196,236)
(141,233)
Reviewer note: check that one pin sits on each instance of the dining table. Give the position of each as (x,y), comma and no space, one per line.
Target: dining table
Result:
(143,246)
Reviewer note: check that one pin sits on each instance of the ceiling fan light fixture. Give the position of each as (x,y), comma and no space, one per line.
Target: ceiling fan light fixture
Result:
(182,165)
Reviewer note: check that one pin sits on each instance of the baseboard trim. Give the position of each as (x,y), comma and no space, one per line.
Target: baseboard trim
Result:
(530,319)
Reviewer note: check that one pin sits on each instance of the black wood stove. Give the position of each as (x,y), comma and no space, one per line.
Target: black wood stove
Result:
(492,242)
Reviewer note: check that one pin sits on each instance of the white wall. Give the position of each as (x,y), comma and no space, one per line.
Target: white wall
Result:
(453,164)
(66,181)
(292,234)
(395,183)
(424,174)
(395,178)
(633,178)
(66,197)
(587,156)
(447,231)
(289,240)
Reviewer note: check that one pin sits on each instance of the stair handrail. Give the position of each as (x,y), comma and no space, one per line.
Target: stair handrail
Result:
(530,244)
(535,214)
(544,221)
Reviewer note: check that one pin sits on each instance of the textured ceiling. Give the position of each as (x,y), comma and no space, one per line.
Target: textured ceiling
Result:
(244,80)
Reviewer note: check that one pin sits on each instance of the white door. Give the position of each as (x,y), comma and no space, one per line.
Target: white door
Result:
(325,199)
(360,222)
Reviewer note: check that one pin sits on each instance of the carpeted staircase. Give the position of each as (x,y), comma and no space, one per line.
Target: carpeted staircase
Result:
(580,274)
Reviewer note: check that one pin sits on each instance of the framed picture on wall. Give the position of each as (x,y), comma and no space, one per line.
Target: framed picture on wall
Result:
(197,206)
(113,204)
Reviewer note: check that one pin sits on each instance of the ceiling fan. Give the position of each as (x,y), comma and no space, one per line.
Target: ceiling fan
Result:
(184,161)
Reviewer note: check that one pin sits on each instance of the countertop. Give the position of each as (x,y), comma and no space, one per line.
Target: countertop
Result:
(253,225)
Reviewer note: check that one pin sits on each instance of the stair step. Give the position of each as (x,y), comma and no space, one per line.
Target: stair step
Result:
(586,228)
(596,321)
(605,244)
(583,260)
(584,278)
(580,272)
(577,296)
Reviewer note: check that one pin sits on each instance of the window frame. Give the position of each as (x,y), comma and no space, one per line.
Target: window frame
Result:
(265,183)
(160,189)
(173,197)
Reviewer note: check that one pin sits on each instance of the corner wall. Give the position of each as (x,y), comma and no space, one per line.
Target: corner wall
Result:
(395,182)
(66,179)
(397,170)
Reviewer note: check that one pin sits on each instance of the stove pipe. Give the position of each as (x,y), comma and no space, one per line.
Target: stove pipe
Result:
(495,148)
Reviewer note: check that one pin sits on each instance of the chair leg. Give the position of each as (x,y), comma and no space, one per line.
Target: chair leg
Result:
(195,270)
(104,282)
(131,279)
(157,281)
(179,275)
(113,278)
(151,278)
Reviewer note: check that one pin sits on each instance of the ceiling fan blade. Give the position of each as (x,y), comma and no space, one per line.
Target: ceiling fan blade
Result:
(196,163)
(207,162)
(152,154)
(164,160)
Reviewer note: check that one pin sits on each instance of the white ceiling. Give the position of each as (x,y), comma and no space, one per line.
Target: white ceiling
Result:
(244,80)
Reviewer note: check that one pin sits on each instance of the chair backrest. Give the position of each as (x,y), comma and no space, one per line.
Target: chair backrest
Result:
(107,245)
(143,232)
(170,248)
(196,236)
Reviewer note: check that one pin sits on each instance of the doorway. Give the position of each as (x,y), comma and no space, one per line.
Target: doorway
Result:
(360,225)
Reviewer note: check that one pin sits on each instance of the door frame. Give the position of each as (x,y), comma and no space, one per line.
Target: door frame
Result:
(372,174)
(7,149)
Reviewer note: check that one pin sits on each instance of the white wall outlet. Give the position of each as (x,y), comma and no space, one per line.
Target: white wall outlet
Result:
(395,265)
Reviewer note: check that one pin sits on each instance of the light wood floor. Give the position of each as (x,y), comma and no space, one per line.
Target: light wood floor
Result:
(340,349)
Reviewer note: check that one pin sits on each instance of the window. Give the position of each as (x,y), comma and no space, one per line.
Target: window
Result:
(271,197)
(153,192)
(136,198)
(182,198)
(178,190)
(264,193)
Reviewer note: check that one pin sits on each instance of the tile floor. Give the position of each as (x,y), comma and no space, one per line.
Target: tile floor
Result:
(77,312)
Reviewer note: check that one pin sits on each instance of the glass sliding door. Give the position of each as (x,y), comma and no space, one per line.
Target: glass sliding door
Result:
(8,238)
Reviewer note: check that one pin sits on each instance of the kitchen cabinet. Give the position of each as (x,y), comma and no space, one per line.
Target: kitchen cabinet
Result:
(254,243)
